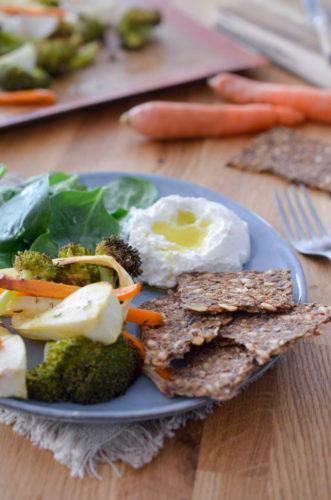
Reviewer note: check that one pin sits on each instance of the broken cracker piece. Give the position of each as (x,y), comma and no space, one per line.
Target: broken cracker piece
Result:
(288,154)
(212,370)
(250,291)
(265,335)
(180,330)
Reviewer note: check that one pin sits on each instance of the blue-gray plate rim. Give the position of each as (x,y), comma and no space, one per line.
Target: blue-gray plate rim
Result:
(143,401)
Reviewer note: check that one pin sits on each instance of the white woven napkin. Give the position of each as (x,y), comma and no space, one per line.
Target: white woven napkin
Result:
(82,447)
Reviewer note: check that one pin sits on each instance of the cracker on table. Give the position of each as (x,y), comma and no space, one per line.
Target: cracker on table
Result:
(212,370)
(265,335)
(288,154)
(180,330)
(251,291)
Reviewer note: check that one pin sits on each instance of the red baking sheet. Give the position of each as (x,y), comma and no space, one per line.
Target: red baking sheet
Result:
(183,51)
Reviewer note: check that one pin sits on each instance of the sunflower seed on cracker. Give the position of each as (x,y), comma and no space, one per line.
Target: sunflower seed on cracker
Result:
(180,330)
(250,291)
(288,154)
(265,335)
(212,370)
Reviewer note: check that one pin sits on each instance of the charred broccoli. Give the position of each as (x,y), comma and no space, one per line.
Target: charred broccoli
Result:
(76,274)
(35,265)
(135,27)
(84,56)
(127,256)
(88,29)
(17,78)
(54,56)
(50,3)
(84,371)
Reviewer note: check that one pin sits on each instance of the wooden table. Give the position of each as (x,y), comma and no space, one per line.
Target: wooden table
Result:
(273,440)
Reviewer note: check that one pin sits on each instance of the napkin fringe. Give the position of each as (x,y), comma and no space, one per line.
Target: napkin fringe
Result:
(83,447)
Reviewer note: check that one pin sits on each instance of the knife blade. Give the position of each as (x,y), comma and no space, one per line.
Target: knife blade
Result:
(321,22)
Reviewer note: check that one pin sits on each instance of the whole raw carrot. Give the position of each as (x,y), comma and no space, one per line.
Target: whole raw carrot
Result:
(34,96)
(174,120)
(315,103)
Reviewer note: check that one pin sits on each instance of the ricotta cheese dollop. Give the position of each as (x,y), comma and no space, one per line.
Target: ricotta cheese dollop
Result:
(180,234)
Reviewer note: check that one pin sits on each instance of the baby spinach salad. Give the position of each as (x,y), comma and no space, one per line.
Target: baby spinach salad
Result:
(51,210)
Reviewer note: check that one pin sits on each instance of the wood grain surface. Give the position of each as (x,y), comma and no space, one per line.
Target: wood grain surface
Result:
(273,440)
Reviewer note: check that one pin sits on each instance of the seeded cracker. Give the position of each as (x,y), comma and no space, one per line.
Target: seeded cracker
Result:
(212,370)
(288,154)
(265,335)
(181,329)
(250,291)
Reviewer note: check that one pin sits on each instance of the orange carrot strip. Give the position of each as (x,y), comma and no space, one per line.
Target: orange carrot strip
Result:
(135,341)
(1,344)
(174,120)
(37,288)
(315,103)
(144,317)
(127,292)
(40,288)
(32,11)
(163,372)
(34,96)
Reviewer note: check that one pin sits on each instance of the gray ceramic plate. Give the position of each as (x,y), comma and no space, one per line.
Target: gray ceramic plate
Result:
(142,400)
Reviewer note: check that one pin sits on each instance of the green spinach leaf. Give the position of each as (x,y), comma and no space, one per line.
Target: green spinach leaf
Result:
(79,217)
(24,216)
(7,192)
(3,170)
(127,192)
(59,181)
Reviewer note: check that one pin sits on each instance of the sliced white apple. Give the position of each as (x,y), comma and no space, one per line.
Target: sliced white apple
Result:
(12,365)
(28,306)
(24,57)
(29,27)
(93,311)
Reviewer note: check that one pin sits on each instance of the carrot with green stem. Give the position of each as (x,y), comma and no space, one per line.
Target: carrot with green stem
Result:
(33,96)
(175,120)
(313,102)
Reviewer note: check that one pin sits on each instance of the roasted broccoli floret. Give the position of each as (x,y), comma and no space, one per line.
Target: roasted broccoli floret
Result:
(35,265)
(135,27)
(84,371)
(127,256)
(54,56)
(88,29)
(17,78)
(85,55)
(76,274)
(50,3)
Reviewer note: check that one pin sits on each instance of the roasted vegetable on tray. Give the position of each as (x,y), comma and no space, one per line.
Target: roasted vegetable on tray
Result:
(42,40)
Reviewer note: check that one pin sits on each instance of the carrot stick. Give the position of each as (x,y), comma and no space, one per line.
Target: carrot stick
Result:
(174,120)
(144,317)
(34,96)
(32,11)
(315,103)
(40,288)
(128,292)
(163,372)
(37,288)
(135,341)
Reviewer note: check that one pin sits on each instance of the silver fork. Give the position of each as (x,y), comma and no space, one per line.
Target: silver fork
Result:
(309,240)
